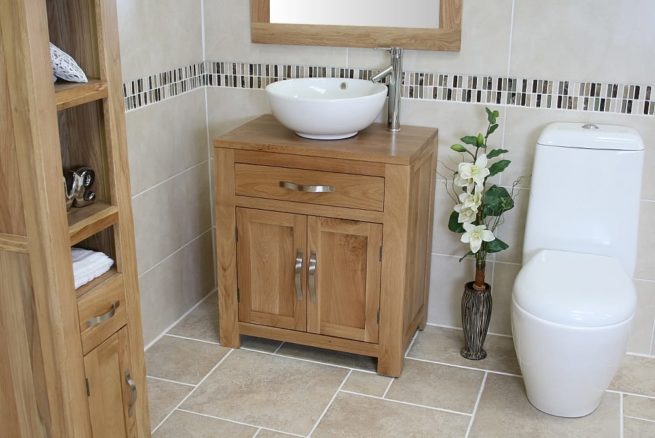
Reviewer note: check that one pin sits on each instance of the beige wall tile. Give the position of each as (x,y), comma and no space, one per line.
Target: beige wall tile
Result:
(636,375)
(504,276)
(230,107)
(174,286)
(437,386)
(642,326)
(646,248)
(640,407)
(269,391)
(201,323)
(505,411)
(512,228)
(166,138)
(447,279)
(163,397)
(360,416)
(367,383)
(485,45)
(182,360)
(600,40)
(158,35)
(444,241)
(227,38)
(184,424)
(171,215)
(442,345)
(633,428)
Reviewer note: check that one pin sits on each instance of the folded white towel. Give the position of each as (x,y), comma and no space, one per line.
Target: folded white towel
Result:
(88,265)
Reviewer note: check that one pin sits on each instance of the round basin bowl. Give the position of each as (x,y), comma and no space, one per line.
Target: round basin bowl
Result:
(326,108)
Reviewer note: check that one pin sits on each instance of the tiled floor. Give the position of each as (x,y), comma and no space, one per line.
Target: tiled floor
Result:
(268,389)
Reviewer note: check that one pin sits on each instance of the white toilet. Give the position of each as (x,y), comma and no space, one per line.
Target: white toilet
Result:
(574,300)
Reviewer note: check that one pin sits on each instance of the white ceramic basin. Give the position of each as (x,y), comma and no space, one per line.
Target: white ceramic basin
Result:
(326,108)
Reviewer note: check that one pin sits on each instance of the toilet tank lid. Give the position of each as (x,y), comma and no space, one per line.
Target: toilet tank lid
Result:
(591,136)
(575,289)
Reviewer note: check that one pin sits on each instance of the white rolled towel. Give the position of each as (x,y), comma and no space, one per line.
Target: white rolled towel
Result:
(88,265)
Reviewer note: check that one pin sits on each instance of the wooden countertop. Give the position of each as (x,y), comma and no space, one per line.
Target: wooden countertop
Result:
(375,143)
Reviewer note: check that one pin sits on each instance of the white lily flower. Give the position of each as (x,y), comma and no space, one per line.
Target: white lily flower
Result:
(474,172)
(466,214)
(471,201)
(475,235)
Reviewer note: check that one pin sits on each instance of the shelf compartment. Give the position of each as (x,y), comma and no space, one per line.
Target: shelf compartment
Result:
(87,221)
(68,95)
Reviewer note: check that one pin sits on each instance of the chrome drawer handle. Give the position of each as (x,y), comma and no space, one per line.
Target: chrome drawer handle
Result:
(312,276)
(297,273)
(133,393)
(306,188)
(104,317)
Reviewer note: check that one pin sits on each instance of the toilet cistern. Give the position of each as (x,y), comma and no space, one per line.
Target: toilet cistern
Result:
(395,73)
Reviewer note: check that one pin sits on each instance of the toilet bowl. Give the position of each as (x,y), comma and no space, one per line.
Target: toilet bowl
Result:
(573,300)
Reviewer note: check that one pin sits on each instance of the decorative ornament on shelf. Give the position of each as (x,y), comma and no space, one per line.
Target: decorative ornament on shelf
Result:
(477,213)
(65,67)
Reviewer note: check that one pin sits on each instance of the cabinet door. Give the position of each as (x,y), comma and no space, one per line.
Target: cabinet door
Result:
(344,278)
(110,388)
(270,268)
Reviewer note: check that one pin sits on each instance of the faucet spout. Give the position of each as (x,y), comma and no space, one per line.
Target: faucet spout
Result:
(395,73)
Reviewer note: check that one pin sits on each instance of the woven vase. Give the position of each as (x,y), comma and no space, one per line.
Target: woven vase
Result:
(476,313)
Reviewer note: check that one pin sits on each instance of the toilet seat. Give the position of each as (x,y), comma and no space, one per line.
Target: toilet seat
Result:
(575,289)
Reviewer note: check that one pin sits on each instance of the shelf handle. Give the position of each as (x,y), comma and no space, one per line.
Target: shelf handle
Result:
(312,276)
(306,188)
(104,317)
(297,274)
(133,392)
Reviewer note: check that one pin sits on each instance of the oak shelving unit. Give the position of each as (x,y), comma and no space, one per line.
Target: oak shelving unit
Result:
(72,360)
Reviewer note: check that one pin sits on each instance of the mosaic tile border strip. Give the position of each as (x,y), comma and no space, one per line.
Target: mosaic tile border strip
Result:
(629,99)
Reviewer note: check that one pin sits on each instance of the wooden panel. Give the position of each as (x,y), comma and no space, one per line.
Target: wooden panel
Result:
(300,162)
(105,370)
(87,221)
(226,260)
(320,210)
(69,94)
(105,299)
(268,243)
(355,191)
(347,278)
(311,339)
(450,15)
(11,242)
(260,11)
(372,145)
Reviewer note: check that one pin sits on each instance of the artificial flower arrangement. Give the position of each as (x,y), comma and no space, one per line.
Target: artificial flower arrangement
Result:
(477,213)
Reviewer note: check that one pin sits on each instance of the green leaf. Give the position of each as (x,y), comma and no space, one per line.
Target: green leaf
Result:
(465,255)
(453,224)
(496,152)
(458,148)
(470,139)
(495,245)
(479,142)
(498,167)
(492,129)
(491,116)
(496,201)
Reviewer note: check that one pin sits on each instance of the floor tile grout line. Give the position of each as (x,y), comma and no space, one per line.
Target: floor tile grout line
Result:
(460,329)
(334,396)
(386,391)
(411,343)
(621,416)
(634,394)
(632,417)
(484,370)
(278,347)
(477,403)
(257,432)
(449,411)
(215,417)
(192,339)
(194,389)
(309,360)
(171,381)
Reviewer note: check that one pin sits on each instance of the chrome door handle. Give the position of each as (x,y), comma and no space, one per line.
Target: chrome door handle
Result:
(306,188)
(133,392)
(104,317)
(312,276)
(297,273)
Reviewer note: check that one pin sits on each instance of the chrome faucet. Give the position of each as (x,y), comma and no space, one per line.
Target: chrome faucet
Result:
(395,73)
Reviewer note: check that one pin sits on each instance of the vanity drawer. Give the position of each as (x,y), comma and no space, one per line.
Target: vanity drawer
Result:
(310,186)
(102,311)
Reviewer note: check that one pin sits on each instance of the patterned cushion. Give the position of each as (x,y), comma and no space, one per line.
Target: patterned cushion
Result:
(65,67)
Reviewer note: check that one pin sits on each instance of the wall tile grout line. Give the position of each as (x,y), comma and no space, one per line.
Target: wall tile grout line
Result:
(170,381)
(168,179)
(236,422)
(194,389)
(477,403)
(432,408)
(199,236)
(334,396)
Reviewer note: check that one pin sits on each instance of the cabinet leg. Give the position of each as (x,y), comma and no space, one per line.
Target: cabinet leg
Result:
(390,365)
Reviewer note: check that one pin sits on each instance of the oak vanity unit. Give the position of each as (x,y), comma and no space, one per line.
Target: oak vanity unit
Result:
(325,243)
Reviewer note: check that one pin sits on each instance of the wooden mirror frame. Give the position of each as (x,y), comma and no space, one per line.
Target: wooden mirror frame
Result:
(446,38)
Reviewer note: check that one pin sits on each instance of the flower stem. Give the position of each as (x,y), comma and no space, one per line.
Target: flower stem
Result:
(480,264)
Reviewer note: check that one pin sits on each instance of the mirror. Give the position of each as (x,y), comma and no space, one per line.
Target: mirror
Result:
(411,24)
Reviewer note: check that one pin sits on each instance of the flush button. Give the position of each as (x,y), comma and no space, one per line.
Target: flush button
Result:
(343,85)
(589,126)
